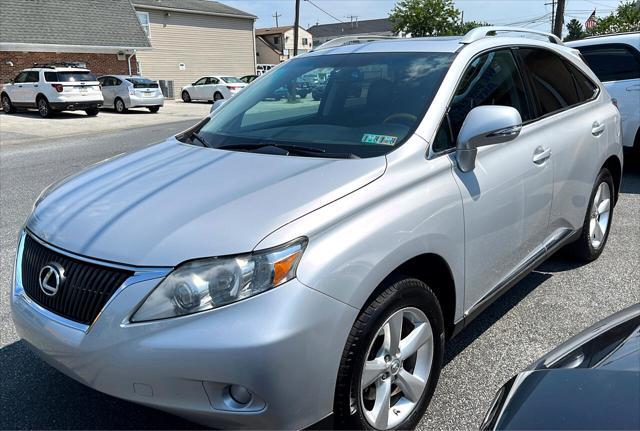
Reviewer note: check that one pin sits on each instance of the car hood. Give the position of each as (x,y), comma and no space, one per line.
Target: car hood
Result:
(173,202)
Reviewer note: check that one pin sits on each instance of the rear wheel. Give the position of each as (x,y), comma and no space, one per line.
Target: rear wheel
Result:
(44,109)
(595,229)
(7,106)
(92,112)
(217,96)
(186,98)
(392,359)
(154,109)
(119,105)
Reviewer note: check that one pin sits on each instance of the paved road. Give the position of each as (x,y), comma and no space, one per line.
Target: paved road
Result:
(548,306)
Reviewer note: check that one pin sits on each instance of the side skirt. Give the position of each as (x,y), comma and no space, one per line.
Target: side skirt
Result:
(549,248)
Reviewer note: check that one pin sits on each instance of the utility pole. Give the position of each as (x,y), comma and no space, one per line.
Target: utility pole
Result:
(462,18)
(559,21)
(352,18)
(296,24)
(553,11)
(276,16)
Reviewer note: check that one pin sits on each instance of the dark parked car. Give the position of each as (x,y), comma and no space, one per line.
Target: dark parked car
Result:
(592,381)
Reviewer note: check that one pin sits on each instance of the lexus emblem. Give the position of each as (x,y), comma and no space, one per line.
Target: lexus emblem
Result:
(51,278)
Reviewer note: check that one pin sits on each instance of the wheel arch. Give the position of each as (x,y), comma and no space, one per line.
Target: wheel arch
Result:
(614,165)
(42,95)
(433,270)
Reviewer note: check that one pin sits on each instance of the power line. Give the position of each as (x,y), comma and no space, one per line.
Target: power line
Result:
(319,8)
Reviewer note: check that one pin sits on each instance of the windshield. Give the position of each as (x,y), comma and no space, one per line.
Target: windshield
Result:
(142,83)
(363,105)
(232,80)
(70,76)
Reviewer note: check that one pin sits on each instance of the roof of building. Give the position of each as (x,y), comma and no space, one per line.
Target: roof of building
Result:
(269,45)
(349,28)
(71,22)
(273,30)
(194,6)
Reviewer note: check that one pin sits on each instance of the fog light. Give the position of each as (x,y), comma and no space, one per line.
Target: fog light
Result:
(240,394)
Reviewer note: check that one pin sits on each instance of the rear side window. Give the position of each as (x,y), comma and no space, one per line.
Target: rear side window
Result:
(490,79)
(587,89)
(76,76)
(612,62)
(51,76)
(551,80)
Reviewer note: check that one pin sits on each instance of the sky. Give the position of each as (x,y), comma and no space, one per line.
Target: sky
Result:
(523,13)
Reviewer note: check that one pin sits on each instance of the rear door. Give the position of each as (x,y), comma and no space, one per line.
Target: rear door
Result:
(572,125)
(617,65)
(507,197)
(107,90)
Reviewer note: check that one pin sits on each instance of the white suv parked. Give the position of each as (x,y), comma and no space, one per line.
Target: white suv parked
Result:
(51,88)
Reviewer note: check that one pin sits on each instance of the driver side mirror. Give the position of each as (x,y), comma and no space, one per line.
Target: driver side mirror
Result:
(485,125)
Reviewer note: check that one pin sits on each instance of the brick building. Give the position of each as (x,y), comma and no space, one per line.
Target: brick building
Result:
(103,35)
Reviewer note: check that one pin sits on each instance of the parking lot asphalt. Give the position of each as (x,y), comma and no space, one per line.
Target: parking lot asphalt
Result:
(553,303)
(27,126)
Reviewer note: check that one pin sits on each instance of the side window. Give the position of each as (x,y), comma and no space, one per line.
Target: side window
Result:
(587,90)
(33,77)
(201,81)
(50,76)
(214,81)
(490,79)
(22,77)
(115,81)
(612,62)
(551,80)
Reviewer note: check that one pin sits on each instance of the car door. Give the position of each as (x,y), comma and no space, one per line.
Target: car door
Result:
(198,89)
(107,90)
(617,65)
(571,128)
(15,91)
(30,87)
(507,197)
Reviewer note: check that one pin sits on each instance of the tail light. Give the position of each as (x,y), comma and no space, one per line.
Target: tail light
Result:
(132,91)
(58,87)
(232,87)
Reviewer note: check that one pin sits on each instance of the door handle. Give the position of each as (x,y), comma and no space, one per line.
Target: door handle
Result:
(19,86)
(541,155)
(597,129)
(35,85)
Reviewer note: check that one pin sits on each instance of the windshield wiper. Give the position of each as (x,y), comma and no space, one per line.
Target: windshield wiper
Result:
(195,136)
(290,148)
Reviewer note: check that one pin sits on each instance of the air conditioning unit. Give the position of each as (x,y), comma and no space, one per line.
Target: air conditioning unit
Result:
(166,86)
(122,56)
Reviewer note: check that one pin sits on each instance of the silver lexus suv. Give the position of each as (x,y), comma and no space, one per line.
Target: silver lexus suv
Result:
(284,261)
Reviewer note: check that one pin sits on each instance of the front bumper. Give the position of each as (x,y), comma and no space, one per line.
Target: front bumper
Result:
(136,101)
(283,345)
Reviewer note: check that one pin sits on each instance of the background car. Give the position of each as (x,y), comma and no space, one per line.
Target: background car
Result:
(248,79)
(52,88)
(615,59)
(592,381)
(212,88)
(123,92)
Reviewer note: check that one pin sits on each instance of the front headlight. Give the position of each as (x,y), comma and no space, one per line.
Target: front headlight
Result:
(205,284)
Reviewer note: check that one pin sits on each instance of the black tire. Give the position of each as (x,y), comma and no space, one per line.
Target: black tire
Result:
(186,98)
(583,248)
(397,294)
(7,106)
(154,109)
(92,112)
(119,106)
(217,96)
(44,109)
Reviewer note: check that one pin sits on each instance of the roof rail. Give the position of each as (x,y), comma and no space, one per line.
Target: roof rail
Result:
(59,64)
(351,40)
(482,32)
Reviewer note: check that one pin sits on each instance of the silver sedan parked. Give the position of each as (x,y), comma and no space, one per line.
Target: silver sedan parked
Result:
(123,92)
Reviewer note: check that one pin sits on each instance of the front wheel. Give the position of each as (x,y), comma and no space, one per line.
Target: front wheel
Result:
(595,229)
(7,106)
(392,359)
(186,98)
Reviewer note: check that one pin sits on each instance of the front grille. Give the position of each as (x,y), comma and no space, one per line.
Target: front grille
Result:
(85,289)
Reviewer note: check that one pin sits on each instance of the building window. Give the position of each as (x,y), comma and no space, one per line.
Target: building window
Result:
(305,41)
(143,17)
(276,40)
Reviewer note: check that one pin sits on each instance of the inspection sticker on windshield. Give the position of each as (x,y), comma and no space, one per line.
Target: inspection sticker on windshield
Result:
(369,138)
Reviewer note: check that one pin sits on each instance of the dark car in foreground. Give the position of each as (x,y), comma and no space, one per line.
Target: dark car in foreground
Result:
(592,381)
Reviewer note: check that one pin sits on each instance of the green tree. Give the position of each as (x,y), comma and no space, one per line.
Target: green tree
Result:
(575,31)
(625,18)
(425,17)
(463,29)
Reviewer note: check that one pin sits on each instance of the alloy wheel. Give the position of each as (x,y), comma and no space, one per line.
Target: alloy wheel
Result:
(6,105)
(43,107)
(396,369)
(119,105)
(600,211)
